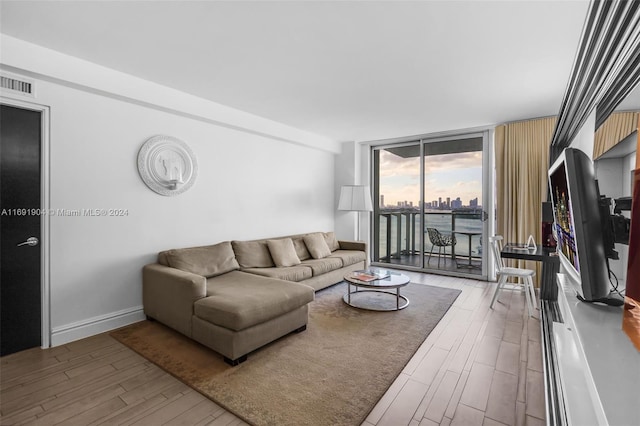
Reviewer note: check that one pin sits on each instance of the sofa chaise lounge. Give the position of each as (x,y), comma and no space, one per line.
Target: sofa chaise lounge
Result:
(236,296)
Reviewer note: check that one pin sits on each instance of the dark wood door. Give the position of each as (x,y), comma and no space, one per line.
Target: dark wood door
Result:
(20,251)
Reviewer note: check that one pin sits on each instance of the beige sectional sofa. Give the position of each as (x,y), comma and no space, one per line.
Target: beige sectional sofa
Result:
(237,296)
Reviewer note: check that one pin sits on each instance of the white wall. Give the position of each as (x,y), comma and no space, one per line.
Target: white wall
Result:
(248,186)
(345,174)
(585,138)
(609,172)
(628,166)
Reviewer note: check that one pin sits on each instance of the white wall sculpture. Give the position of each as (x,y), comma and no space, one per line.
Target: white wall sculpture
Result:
(167,165)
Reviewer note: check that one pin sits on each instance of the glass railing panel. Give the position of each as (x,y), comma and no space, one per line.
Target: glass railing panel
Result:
(402,242)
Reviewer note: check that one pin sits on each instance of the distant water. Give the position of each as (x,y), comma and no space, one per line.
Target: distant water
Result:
(443,223)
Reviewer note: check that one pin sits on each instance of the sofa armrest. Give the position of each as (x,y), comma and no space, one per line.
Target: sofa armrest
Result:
(353,245)
(168,295)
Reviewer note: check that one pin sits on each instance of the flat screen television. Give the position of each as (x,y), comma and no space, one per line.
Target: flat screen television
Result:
(578,228)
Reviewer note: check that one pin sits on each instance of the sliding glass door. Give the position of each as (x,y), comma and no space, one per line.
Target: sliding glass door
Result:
(397,216)
(429,212)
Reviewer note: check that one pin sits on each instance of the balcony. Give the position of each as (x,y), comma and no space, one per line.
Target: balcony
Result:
(398,239)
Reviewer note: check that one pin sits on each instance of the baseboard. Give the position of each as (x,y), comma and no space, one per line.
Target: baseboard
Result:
(96,325)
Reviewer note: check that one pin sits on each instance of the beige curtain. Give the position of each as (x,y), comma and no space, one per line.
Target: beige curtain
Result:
(618,126)
(522,162)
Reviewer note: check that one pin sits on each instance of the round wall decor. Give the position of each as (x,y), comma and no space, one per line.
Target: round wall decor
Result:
(167,165)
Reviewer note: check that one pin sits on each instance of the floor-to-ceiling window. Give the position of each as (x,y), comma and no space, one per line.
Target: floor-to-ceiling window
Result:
(397,217)
(429,198)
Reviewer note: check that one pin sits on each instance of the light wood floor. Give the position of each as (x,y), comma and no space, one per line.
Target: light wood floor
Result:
(478,367)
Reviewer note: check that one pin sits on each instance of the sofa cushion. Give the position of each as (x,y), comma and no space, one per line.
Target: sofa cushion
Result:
(322,266)
(317,245)
(349,257)
(207,261)
(162,258)
(292,273)
(283,252)
(252,254)
(331,240)
(301,248)
(238,300)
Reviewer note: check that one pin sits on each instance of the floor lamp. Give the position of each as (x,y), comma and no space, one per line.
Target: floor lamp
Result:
(355,198)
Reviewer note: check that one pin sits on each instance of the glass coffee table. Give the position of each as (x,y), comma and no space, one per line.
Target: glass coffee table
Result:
(376,282)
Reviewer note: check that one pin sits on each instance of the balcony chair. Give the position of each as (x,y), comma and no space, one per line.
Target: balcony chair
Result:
(504,272)
(441,241)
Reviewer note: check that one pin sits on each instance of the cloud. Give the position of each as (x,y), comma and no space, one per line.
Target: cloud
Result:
(400,177)
(468,183)
(393,195)
(465,160)
(394,165)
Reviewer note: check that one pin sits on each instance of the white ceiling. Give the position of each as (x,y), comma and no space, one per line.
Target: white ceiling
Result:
(347,70)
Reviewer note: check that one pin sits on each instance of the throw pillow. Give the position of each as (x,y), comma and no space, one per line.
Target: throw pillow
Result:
(283,252)
(301,248)
(317,245)
(252,254)
(207,261)
(332,241)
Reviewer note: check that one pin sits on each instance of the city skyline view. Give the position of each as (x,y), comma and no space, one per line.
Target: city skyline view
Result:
(457,175)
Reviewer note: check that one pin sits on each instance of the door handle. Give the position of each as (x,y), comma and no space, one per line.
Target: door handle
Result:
(31,241)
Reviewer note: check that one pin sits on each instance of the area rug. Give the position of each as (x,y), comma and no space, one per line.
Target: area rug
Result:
(331,374)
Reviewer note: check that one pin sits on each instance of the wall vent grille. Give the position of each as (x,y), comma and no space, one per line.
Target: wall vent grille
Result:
(15,85)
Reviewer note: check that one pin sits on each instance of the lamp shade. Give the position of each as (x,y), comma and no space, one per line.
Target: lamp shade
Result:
(355,198)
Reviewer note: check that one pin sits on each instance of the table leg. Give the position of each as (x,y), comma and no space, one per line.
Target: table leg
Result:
(548,286)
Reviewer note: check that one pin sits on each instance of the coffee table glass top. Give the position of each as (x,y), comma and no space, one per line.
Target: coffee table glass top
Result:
(377,278)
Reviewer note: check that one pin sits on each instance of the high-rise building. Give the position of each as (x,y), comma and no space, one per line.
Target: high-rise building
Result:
(382,200)
(474,202)
(439,201)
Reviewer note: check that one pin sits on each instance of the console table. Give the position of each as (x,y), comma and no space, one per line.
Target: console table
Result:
(550,266)
(591,368)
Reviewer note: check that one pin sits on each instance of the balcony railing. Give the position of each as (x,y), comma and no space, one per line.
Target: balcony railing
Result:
(399,233)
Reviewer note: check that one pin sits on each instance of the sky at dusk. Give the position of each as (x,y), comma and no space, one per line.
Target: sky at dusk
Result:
(447,175)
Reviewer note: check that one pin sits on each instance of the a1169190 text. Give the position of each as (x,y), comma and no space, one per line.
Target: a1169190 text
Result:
(65,212)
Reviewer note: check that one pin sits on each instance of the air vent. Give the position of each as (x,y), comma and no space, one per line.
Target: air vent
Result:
(18,85)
